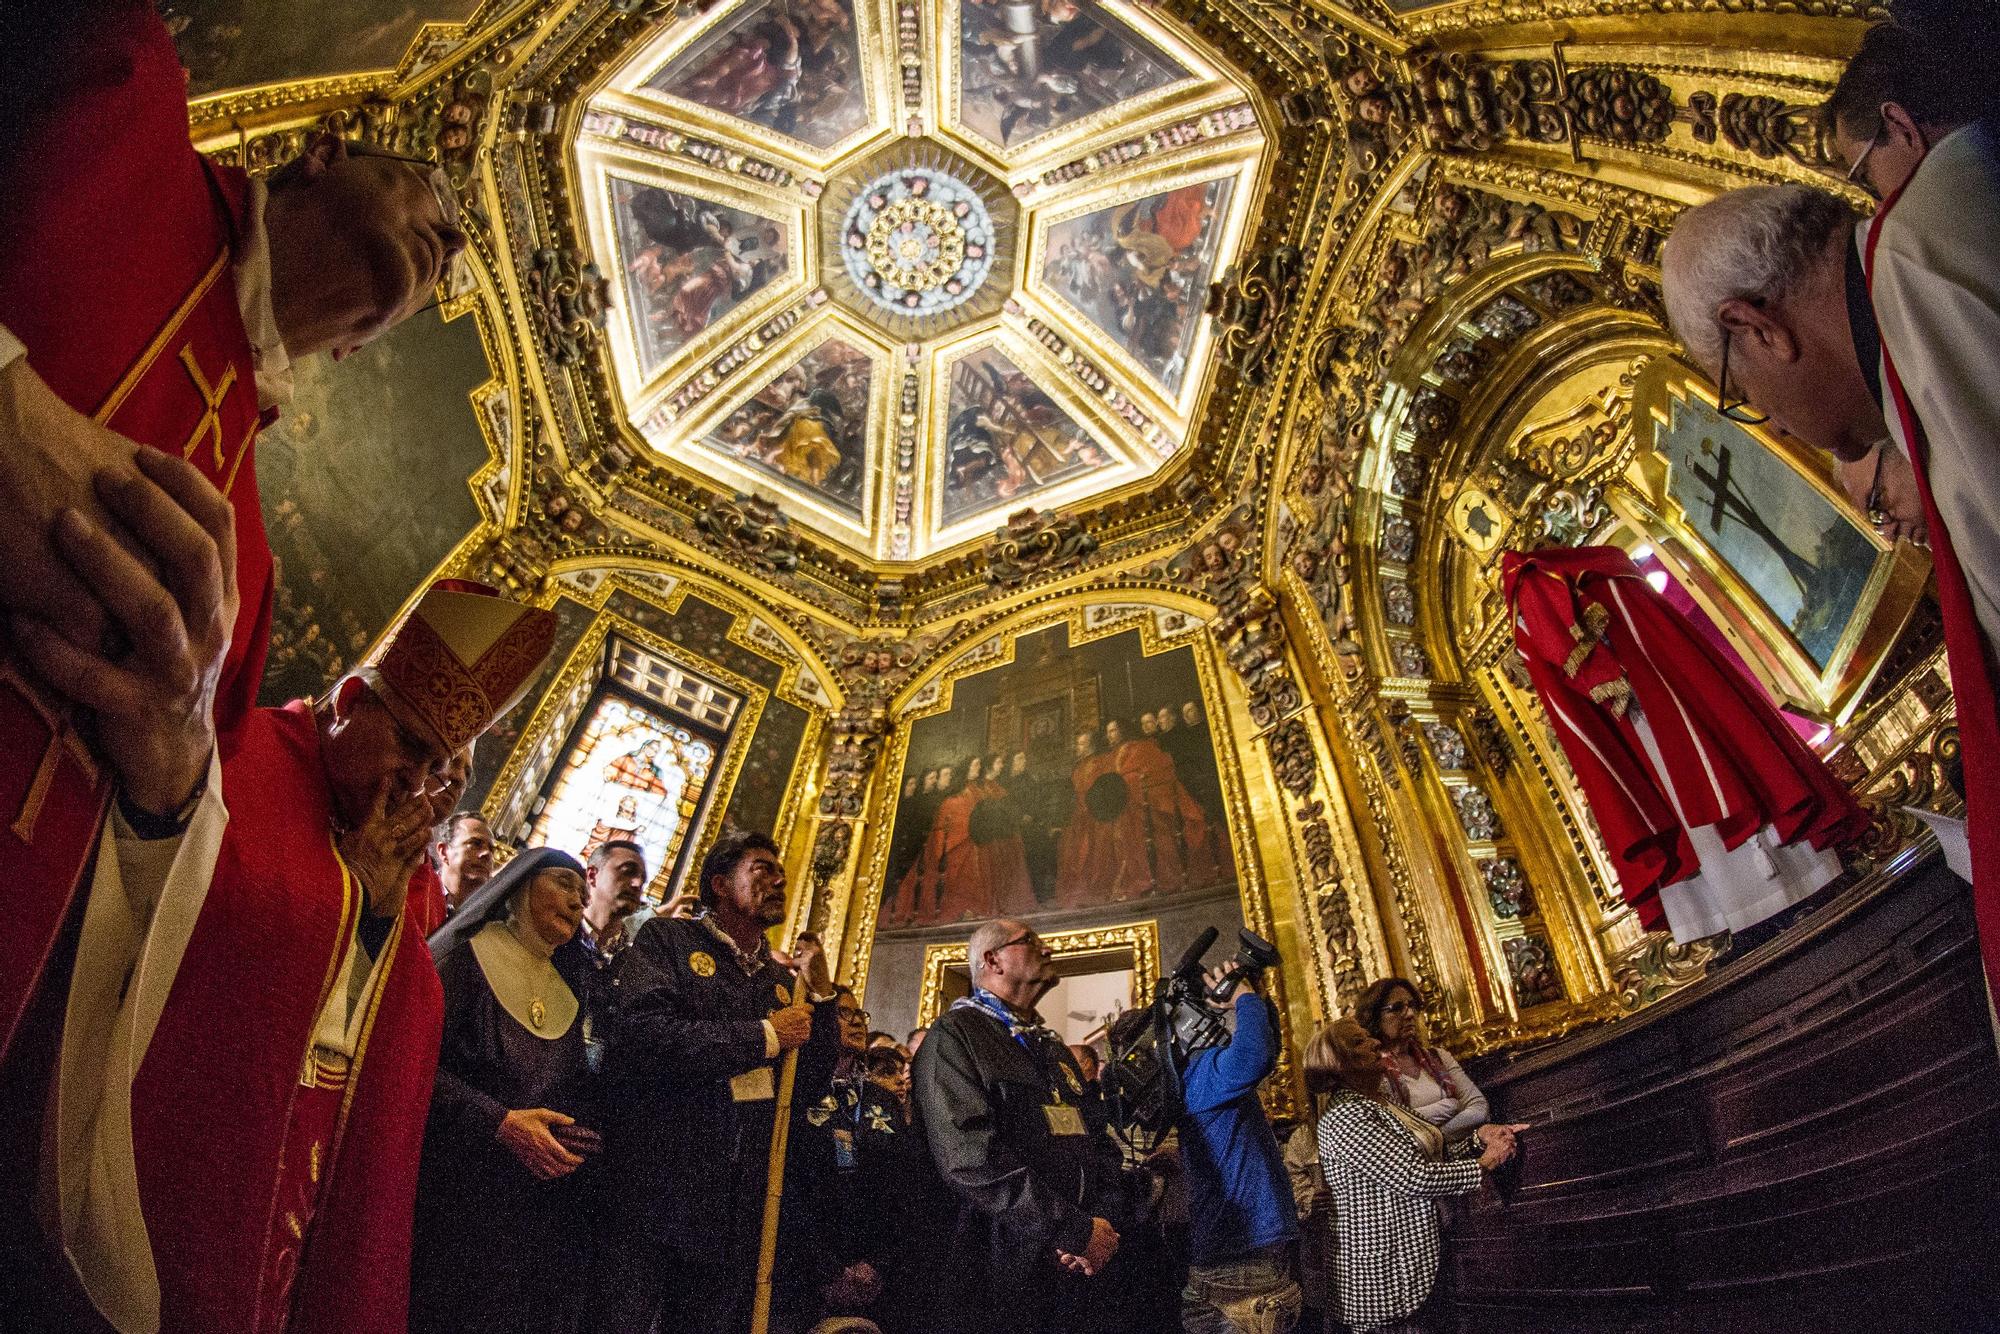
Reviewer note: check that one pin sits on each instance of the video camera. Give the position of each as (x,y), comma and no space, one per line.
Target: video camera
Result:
(1143,1077)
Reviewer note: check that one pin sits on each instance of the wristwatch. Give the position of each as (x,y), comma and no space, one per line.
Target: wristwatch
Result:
(150,827)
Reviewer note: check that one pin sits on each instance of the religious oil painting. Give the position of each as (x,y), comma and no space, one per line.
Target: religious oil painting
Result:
(1027,67)
(1005,438)
(1070,780)
(1074,786)
(364,478)
(688,263)
(1140,271)
(236,43)
(809,426)
(629,774)
(1795,549)
(791,66)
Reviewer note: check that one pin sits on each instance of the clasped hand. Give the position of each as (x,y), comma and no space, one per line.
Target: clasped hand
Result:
(1498,1143)
(1097,1252)
(118,581)
(548,1144)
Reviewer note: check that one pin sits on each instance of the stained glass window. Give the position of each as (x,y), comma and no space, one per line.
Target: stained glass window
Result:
(631,773)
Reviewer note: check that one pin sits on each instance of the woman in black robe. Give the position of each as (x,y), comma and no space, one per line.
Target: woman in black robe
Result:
(497,1231)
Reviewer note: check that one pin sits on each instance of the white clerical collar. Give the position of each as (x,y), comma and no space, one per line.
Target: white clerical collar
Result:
(525,983)
(253,299)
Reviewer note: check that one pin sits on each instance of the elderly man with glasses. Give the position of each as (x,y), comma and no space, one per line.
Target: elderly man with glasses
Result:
(1921,123)
(1000,1100)
(1772,289)
(151,303)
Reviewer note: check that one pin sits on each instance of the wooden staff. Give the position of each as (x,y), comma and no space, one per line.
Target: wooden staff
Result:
(774,1185)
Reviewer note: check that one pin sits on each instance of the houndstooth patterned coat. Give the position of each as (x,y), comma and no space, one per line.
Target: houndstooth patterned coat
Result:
(1385,1190)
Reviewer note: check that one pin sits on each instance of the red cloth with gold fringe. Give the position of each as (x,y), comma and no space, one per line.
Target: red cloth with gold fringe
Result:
(1596,639)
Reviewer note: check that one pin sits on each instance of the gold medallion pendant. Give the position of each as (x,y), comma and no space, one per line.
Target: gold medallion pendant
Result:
(701,965)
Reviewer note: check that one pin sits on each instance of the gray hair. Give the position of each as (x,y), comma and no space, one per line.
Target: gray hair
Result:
(987,936)
(1759,243)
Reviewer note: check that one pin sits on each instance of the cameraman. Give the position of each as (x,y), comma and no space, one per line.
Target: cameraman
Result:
(1242,1221)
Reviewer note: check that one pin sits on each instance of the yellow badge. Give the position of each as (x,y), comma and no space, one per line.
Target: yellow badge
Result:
(701,965)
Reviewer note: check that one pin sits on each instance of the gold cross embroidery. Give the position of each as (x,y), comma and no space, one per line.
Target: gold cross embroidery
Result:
(61,736)
(211,419)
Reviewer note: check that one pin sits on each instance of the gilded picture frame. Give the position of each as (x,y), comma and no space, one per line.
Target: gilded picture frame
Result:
(1759,531)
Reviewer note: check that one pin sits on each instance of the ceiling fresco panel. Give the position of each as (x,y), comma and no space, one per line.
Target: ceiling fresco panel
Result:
(1140,271)
(1005,439)
(790,66)
(809,426)
(688,263)
(236,43)
(1030,67)
(1015,328)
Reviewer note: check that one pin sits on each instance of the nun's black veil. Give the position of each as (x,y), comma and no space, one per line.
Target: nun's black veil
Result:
(488,903)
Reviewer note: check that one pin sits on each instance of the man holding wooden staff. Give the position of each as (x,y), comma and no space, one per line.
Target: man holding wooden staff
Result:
(705,1017)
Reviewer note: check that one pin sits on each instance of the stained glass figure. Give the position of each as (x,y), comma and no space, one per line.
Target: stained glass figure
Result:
(630,774)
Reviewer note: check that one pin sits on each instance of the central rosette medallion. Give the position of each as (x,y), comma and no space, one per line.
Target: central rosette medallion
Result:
(918,241)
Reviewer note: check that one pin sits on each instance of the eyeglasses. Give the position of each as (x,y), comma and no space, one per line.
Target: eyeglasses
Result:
(1402,1007)
(1738,411)
(1854,176)
(1026,937)
(854,1016)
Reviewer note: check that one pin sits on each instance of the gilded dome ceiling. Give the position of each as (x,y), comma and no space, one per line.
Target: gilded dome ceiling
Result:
(903,270)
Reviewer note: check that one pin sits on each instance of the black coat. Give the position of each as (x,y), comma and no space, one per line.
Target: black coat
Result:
(493,1243)
(1025,1189)
(688,1161)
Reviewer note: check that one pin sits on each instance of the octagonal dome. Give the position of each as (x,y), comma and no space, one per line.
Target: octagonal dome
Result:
(904,268)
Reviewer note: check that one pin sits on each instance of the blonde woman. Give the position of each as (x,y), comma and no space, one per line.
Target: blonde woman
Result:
(1386,1168)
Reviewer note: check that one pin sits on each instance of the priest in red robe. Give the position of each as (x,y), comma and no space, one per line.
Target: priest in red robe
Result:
(237,1130)
(147,295)
(1715,814)
(1933,274)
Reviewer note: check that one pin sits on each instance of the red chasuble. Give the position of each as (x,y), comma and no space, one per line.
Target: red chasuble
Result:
(987,873)
(116,240)
(274,1189)
(1969,656)
(1597,638)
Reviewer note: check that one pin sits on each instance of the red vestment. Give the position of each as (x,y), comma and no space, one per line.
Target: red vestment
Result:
(988,873)
(1087,852)
(115,273)
(1162,836)
(960,891)
(1596,638)
(427,895)
(1973,680)
(263,1195)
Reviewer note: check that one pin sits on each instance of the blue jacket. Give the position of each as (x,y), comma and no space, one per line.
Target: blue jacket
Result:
(1239,1197)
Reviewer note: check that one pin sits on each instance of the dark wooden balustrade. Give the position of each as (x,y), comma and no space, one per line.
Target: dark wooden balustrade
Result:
(1807,1140)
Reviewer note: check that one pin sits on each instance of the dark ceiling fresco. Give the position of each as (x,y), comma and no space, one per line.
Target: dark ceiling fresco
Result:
(236,43)
(364,478)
